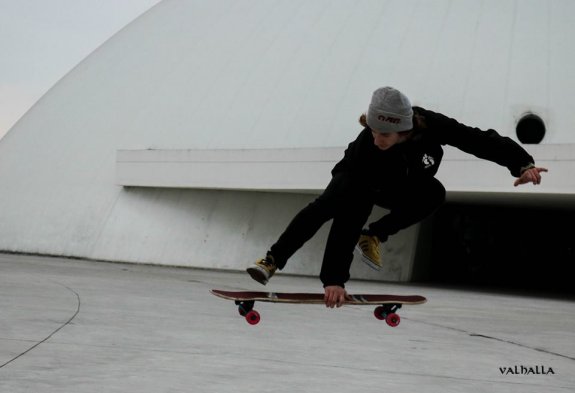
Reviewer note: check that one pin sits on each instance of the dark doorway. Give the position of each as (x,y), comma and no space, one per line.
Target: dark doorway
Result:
(509,248)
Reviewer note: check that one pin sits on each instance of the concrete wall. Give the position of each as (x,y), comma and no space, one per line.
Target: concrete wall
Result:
(223,230)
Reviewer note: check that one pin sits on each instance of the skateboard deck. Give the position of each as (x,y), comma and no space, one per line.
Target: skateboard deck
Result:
(386,310)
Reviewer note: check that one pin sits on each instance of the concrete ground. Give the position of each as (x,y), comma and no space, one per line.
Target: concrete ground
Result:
(81,326)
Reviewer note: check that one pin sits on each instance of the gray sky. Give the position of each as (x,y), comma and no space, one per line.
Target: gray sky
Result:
(41,40)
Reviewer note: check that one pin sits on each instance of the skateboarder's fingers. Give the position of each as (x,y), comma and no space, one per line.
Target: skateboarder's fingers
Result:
(330,299)
(340,300)
(532,175)
(336,301)
(334,296)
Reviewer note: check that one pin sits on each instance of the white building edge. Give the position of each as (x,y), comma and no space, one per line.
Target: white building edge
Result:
(194,135)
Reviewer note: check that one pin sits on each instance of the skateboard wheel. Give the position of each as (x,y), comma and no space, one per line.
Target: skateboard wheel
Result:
(392,319)
(379,313)
(253,317)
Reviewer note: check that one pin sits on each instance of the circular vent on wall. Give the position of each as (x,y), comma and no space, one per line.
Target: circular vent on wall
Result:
(530,129)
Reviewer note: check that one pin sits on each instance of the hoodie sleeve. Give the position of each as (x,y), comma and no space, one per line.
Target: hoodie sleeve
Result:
(487,145)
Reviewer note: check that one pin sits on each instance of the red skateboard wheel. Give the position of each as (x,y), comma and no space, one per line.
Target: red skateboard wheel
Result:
(379,313)
(392,319)
(253,317)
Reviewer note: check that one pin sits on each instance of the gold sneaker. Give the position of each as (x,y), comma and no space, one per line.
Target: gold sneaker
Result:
(368,247)
(263,269)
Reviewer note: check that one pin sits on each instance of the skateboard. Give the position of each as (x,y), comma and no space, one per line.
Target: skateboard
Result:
(386,310)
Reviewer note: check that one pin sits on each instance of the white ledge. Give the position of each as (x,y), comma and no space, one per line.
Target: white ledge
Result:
(294,170)
(308,170)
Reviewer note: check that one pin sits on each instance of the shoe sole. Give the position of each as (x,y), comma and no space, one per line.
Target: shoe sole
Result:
(257,275)
(367,260)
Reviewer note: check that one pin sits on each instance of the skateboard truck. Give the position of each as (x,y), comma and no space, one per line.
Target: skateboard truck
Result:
(387,313)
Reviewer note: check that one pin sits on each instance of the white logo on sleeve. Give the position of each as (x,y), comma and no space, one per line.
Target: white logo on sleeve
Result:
(428,161)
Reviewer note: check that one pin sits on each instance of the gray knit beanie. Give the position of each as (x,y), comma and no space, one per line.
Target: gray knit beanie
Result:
(389,111)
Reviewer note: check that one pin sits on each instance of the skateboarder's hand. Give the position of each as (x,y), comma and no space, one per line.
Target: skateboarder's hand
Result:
(335,296)
(531,175)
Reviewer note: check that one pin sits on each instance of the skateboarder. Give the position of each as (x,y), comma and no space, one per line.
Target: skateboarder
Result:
(392,164)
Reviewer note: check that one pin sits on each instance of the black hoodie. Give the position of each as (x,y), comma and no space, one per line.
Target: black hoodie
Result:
(419,157)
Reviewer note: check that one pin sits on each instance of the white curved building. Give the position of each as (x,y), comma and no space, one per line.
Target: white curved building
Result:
(164,144)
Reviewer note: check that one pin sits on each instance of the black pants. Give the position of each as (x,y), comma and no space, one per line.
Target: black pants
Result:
(349,202)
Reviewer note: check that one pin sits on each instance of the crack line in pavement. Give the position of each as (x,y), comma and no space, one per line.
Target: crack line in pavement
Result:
(471,334)
(51,334)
